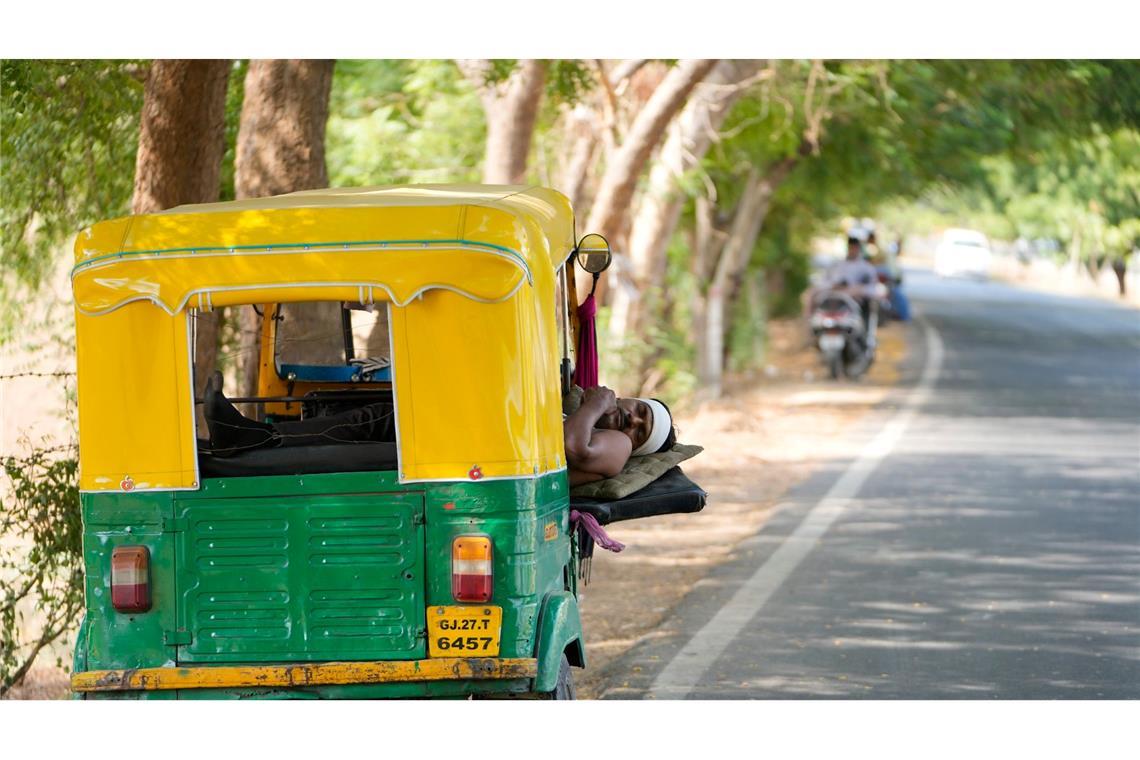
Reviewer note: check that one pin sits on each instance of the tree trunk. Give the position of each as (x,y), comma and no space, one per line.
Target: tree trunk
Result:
(616,189)
(281,149)
(511,108)
(181,142)
(705,248)
(690,137)
(181,135)
(747,222)
(581,133)
(609,214)
(281,140)
(1120,268)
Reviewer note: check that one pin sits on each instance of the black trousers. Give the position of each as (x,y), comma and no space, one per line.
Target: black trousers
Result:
(374,422)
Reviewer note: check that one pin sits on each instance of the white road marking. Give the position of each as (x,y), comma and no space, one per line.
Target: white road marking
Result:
(689,665)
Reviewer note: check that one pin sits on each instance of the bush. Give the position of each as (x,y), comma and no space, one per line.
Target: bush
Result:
(41,557)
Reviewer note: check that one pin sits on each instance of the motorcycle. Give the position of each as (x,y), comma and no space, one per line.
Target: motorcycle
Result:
(845,333)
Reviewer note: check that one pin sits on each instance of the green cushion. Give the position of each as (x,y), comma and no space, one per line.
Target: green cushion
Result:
(637,474)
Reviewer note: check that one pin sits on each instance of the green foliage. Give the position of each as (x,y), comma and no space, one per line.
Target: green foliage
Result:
(41,557)
(235,93)
(414,121)
(395,122)
(1081,192)
(783,253)
(567,80)
(70,134)
(746,341)
(667,342)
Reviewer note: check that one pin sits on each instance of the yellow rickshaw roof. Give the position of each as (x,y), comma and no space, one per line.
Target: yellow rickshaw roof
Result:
(385,243)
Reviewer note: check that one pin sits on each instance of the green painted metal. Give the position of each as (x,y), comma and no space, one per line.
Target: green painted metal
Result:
(301,578)
(129,640)
(559,628)
(288,568)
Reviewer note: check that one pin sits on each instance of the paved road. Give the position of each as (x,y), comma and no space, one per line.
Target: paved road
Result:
(982,542)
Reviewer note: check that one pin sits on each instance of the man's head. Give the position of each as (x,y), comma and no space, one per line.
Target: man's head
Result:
(854,248)
(647,422)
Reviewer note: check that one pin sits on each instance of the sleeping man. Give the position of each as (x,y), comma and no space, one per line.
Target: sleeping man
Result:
(600,435)
(605,431)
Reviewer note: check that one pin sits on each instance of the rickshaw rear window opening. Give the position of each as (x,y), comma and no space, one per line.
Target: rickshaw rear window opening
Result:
(332,342)
(331,362)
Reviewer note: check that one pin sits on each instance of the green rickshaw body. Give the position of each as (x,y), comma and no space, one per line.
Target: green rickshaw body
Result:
(249,528)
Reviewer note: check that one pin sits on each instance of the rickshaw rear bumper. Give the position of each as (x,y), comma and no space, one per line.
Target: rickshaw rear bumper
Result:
(305,675)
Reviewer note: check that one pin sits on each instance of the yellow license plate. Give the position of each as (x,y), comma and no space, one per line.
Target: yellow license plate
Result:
(464,631)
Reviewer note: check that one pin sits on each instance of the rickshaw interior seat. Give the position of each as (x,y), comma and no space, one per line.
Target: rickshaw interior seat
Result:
(348,373)
(672,493)
(299,460)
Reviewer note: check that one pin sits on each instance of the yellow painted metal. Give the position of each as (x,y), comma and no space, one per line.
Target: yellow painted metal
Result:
(469,272)
(318,674)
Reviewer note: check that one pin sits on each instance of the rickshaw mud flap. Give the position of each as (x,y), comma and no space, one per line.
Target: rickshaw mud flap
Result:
(319,674)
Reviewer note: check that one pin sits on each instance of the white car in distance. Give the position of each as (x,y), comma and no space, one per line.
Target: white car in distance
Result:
(963,253)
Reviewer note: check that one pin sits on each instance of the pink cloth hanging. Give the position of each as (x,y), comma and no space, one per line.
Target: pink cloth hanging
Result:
(586,373)
(591,525)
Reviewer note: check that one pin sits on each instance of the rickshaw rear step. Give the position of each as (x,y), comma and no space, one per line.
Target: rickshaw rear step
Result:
(318,674)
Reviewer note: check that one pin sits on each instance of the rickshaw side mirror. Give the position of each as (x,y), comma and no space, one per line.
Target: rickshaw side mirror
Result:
(593,253)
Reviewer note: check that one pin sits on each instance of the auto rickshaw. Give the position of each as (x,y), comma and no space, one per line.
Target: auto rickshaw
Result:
(440,564)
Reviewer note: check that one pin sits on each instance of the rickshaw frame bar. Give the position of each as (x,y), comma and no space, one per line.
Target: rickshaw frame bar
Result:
(317,674)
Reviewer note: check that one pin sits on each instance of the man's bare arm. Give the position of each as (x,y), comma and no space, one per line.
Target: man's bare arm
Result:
(591,453)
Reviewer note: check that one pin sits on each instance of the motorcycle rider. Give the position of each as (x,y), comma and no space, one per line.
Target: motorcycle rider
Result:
(854,275)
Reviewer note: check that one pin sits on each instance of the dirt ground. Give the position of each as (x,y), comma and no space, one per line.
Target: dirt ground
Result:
(768,433)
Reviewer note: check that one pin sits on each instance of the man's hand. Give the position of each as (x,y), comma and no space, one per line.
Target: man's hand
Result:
(601,398)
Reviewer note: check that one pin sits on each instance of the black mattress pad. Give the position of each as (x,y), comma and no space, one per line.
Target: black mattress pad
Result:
(672,493)
(300,460)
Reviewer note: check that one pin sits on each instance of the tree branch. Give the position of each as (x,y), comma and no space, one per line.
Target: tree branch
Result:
(625,71)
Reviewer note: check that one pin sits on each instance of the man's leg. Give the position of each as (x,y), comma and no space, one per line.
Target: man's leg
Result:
(374,422)
(231,432)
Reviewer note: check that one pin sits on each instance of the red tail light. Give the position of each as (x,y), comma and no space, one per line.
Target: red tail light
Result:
(130,578)
(471,569)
